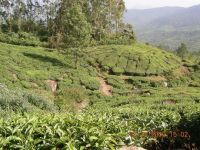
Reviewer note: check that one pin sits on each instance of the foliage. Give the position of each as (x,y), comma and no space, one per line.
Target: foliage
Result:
(17,100)
(94,131)
(66,23)
(73,22)
(21,38)
(182,51)
(90,82)
(191,123)
(138,103)
(137,59)
(66,98)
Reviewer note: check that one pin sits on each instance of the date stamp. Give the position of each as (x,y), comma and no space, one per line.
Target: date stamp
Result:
(160,134)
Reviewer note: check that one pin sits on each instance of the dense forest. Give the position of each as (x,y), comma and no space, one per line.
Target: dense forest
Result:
(74,77)
(65,23)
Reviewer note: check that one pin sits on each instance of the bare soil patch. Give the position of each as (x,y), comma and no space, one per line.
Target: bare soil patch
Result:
(182,71)
(156,78)
(105,88)
(52,84)
(79,107)
(169,102)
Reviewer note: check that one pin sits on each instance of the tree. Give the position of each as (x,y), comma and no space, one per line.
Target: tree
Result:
(19,13)
(72,24)
(118,11)
(6,7)
(182,51)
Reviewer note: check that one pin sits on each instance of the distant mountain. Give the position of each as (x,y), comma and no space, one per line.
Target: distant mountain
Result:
(167,26)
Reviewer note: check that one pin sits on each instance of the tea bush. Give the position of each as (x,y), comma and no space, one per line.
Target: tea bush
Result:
(88,131)
(136,59)
(137,103)
(67,97)
(23,101)
(21,38)
(90,82)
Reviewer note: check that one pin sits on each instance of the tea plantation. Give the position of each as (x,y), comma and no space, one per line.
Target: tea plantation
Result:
(98,98)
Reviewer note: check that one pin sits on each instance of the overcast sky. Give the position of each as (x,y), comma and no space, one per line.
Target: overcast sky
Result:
(142,4)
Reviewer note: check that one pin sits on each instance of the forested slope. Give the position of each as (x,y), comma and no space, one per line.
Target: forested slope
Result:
(168,26)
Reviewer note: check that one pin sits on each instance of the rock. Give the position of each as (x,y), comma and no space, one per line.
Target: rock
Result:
(165,84)
(137,90)
(52,84)
(169,102)
(14,77)
(79,107)
(147,94)
(34,85)
(1,85)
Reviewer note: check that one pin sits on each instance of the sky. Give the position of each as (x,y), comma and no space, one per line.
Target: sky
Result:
(143,4)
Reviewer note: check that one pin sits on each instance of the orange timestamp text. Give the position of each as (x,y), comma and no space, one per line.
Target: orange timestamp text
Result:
(160,134)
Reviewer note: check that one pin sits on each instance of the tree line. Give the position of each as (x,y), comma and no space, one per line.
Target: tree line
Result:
(64,23)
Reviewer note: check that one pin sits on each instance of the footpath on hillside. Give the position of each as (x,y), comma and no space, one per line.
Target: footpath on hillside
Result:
(105,89)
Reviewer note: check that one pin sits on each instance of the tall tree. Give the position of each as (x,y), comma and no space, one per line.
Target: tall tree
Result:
(182,51)
(6,7)
(19,12)
(72,23)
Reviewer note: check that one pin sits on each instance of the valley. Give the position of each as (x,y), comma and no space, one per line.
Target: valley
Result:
(167,26)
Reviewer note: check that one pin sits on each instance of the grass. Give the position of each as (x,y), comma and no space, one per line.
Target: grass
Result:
(24,101)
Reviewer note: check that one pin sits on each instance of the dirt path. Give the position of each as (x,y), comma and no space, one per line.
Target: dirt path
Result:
(105,88)
(79,107)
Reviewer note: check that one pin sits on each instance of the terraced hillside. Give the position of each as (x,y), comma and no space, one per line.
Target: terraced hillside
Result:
(20,64)
(139,59)
(105,97)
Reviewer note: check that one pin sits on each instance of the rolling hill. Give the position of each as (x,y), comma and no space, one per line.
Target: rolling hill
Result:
(168,26)
(19,67)
(53,99)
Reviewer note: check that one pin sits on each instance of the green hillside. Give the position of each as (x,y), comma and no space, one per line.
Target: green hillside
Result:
(19,67)
(73,76)
(167,26)
(104,97)
(138,59)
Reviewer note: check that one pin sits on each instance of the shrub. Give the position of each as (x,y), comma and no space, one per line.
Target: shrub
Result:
(67,97)
(117,70)
(65,83)
(191,124)
(23,101)
(189,138)
(123,38)
(21,38)
(90,82)
(115,82)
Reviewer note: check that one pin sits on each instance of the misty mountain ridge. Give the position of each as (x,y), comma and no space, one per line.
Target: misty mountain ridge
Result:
(167,26)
